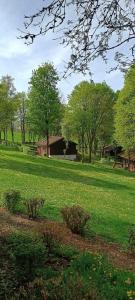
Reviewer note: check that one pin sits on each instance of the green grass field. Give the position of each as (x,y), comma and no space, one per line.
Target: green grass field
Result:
(108,194)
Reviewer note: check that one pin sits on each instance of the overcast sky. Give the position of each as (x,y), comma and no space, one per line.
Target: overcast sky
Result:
(18,60)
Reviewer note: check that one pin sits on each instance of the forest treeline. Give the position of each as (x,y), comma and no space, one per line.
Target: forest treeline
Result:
(93,115)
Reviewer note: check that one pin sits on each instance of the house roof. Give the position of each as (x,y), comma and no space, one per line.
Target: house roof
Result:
(125,155)
(52,140)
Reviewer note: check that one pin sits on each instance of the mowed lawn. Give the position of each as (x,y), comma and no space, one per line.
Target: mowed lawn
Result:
(107,194)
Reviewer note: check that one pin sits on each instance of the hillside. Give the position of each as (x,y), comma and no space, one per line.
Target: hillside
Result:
(105,193)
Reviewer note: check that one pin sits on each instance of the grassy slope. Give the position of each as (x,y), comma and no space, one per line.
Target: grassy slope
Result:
(108,194)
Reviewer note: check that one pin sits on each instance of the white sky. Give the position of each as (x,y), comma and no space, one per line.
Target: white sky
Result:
(18,59)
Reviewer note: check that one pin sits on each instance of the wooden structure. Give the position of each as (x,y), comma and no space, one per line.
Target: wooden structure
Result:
(111,151)
(57,147)
(127,160)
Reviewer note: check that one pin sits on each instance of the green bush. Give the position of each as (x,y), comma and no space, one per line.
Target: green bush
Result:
(28,253)
(8,280)
(75,218)
(33,207)
(11,200)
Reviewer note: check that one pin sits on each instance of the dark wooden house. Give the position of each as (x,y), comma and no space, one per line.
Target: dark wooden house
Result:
(111,151)
(58,147)
(127,160)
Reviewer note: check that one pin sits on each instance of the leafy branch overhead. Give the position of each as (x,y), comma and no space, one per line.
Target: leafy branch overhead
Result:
(92,28)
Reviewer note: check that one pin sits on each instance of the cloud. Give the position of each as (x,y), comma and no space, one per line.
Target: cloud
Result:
(13,48)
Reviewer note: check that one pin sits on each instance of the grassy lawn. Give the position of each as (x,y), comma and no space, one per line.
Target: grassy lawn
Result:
(109,195)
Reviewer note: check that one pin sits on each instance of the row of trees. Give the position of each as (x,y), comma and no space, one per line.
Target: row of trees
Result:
(12,108)
(38,112)
(94,116)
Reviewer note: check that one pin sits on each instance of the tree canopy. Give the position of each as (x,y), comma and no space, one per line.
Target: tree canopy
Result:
(44,102)
(125,112)
(88,111)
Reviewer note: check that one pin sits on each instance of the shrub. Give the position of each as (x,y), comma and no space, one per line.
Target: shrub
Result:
(11,200)
(75,218)
(8,280)
(33,206)
(57,288)
(27,252)
(131,241)
(50,239)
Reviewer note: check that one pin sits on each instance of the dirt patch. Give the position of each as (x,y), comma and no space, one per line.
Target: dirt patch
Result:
(116,255)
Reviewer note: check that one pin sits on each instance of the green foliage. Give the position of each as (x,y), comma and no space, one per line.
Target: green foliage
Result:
(125,112)
(8,280)
(8,105)
(12,199)
(109,282)
(70,288)
(88,277)
(28,254)
(75,218)
(89,114)
(33,207)
(44,103)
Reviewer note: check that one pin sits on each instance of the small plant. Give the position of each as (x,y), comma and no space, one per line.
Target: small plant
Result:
(51,239)
(33,206)
(131,241)
(11,200)
(27,253)
(75,218)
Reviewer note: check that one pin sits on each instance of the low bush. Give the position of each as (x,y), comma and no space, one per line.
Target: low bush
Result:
(131,241)
(75,218)
(50,239)
(8,280)
(12,199)
(27,253)
(60,288)
(33,207)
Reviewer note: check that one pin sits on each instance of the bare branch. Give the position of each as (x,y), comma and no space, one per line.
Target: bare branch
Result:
(91,28)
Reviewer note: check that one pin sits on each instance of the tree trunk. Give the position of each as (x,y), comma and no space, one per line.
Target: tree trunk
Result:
(23,131)
(6,138)
(29,136)
(90,152)
(4,134)
(129,160)
(82,146)
(12,131)
(47,139)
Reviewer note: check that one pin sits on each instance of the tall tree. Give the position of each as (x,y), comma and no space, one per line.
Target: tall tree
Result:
(8,81)
(125,113)
(22,113)
(91,28)
(44,103)
(89,108)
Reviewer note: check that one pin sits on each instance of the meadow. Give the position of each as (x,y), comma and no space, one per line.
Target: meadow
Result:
(107,194)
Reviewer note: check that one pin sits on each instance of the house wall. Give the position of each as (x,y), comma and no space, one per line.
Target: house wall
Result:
(126,165)
(41,150)
(67,157)
(58,148)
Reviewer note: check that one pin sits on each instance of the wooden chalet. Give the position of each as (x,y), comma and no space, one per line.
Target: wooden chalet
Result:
(127,160)
(122,158)
(57,147)
(111,151)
